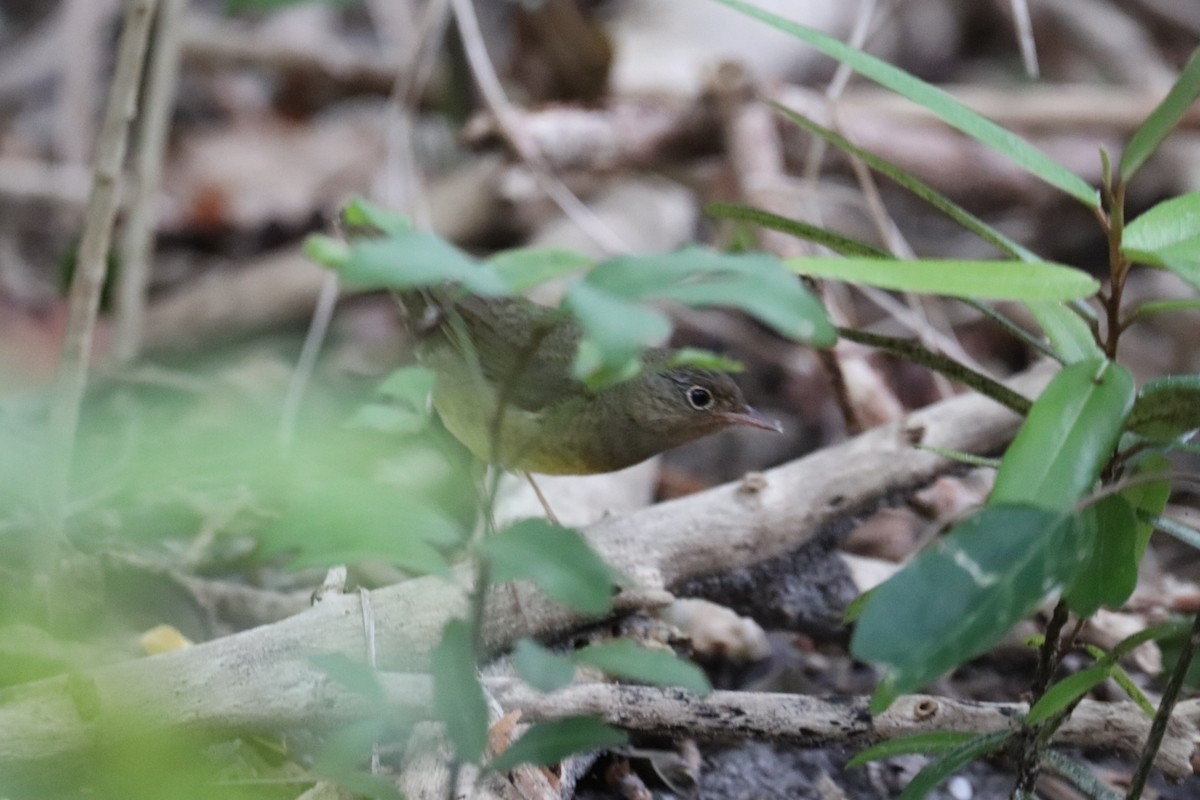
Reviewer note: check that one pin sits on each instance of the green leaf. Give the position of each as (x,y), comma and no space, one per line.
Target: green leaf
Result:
(413,260)
(1175,648)
(626,659)
(335,519)
(596,373)
(886,692)
(1126,646)
(457,695)
(704,359)
(1156,632)
(936,101)
(855,607)
(411,385)
(557,559)
(355,676)
(755,283)
(642,277)
(1162,119)
(617,331)
(1148,498)
(1065,692)
(919,188)
(1168,236)
(345,749)
(952,762)
(991,570)
(1167,408)
(363,784)
(551,742)
(935,742)
(1127,684)
(1110,575)
(1164,307)
(523,268)
(326,250)
(1067,438)
(836,242)
(388,419)
(793,313)
(1068,334)
(363,216)
(542,669)
(996,280)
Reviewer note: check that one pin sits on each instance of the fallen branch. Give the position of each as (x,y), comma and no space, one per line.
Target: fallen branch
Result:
(305,697)
(842,721)
(261,679)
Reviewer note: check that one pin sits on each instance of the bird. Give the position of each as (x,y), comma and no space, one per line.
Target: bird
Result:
(504,387)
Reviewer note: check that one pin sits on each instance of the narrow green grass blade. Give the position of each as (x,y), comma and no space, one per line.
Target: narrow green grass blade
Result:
(1067,691)
(1162,119)
(551,742)
(993,280)
(943,365)
(1125,681)
(962,458)
(938,102)
(1164,307)
(1079,775)
(952,762)
(1016,330)
(836,242)
(1179,530)
(933,742)
(918,187)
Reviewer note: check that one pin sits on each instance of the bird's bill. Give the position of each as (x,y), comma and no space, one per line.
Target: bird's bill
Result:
(755,419)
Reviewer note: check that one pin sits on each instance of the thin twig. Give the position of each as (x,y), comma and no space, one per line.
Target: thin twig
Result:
(412,201)
(79,39)
(306,364)
(493,94)
(841,393)
(402,180)
(137,244)
(91,269)
(837,85)
(1024,27)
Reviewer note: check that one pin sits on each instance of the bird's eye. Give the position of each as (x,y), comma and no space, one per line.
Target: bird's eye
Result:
(699,397)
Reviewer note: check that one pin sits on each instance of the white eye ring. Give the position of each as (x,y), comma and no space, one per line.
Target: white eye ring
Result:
(698,397)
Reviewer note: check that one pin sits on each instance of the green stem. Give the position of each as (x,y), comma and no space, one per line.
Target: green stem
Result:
(1118,266)
(943,365)
(1159,307)
(1015,329)
(1048,659)
(1159,727)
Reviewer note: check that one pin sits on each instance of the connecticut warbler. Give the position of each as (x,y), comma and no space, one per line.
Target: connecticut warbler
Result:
(510,353)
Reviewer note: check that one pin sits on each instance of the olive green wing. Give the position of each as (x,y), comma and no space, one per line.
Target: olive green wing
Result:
(524,349)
